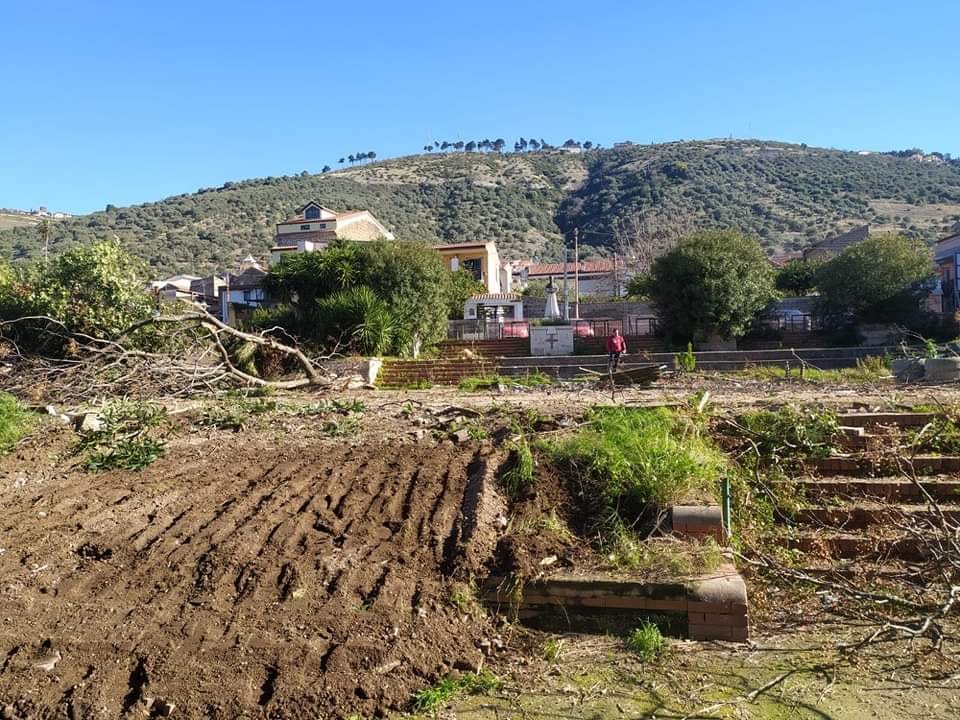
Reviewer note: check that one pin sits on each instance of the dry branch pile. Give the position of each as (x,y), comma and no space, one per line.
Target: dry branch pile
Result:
(190,352)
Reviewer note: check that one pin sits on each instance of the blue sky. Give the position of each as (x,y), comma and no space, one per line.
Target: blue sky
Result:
(126,102)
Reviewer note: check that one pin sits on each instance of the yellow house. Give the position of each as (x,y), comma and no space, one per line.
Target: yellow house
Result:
(481,259)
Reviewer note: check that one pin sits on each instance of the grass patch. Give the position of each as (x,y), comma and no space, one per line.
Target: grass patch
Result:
(868,370)
(15,421)
(519,474)
(646,641)
(126,438)
(549,524)
(629,458)
(448,689)
(790,432)
(552,649)
(665,557)
(941,436)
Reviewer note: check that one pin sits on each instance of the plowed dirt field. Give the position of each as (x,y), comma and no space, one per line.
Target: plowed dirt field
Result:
(235,577)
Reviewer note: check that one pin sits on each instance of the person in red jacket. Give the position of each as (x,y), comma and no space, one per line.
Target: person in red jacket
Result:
(616,346)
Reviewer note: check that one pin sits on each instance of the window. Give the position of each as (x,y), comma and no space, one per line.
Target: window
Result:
(312,213)
(305,227)
(474,267)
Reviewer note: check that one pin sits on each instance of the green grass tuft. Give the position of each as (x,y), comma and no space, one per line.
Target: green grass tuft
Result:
(125,440)
(519,475)
(646,641)
(434,698)
(15,421)
(631,457)
(868,370)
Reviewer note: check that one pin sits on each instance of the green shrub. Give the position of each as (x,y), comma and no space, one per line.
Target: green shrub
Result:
(433,698)
(631,457)
(125,438)
(646,641)
(791,432)
(15,421)
(685,361)
(519,475)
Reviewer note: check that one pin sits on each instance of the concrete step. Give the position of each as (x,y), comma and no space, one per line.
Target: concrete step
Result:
(945,488)
(711,607)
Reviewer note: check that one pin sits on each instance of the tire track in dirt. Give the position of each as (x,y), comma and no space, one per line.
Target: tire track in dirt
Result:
(247,577)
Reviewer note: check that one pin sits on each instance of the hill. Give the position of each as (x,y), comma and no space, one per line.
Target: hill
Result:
(12,220)
(786,195)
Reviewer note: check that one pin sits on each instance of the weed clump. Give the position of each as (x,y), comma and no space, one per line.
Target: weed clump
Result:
(646,641)
(433,698)
(125,438)
(633,457)
(790,432)
(669,557)
(15,421)
(488,382)
(519,475)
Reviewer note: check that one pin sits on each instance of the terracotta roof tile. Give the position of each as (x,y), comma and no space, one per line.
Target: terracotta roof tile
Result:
(586,266)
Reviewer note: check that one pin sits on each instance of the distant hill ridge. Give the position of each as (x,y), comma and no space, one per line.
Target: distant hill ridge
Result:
(788,196)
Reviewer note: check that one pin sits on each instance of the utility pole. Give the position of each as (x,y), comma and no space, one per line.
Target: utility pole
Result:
(46,238)
(576,273)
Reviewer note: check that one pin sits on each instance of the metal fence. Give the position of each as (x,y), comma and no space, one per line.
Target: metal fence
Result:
(630,326)
(803,323)
(584,327)
(487,329)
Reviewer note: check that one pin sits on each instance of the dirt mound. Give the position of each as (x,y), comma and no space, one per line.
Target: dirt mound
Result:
(238,577)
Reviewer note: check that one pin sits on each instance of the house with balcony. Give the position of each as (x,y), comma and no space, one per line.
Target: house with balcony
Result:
(314,227)
(604,278)
(482,260)
(946,256)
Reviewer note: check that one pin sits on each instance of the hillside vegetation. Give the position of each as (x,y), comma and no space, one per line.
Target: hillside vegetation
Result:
(786,195)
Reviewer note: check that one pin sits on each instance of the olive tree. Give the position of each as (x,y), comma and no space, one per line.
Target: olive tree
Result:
(710,282)
(881,278)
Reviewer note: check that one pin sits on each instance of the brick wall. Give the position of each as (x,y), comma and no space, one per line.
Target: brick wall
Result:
(442,371)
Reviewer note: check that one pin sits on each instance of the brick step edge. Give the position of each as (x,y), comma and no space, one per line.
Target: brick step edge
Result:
(857,518)
(886,489)
(853,547)
(715,606)
(923,465)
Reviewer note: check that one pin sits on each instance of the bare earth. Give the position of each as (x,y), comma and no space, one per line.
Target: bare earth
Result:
(276,572)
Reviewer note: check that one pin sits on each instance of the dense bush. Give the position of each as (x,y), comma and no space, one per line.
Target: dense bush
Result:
(95,289)
(376,298)
(797,277)
(881,279)
(711,282)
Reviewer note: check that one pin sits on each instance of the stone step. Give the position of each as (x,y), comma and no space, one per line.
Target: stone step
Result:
(837,544)
(944,488)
